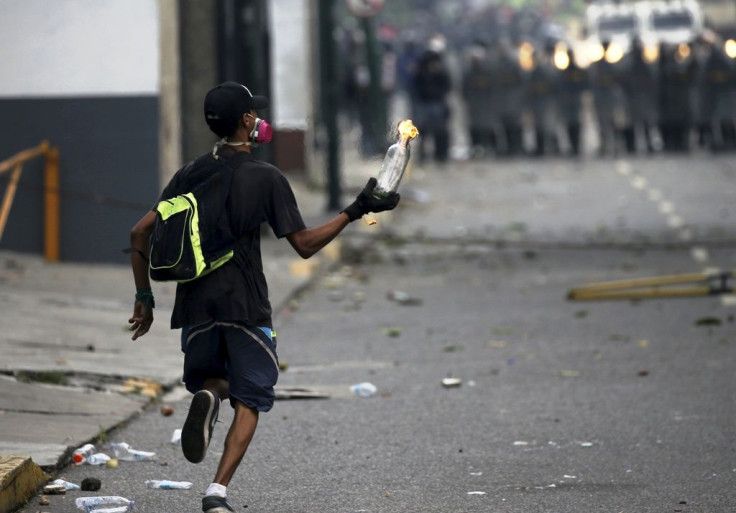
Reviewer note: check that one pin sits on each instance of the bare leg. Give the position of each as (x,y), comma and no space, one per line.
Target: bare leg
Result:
(236,443)
(218,386)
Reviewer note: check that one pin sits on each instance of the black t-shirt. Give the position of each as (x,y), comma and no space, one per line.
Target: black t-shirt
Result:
(238,291)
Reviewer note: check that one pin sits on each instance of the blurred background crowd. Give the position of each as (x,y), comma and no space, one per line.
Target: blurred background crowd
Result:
(548,78)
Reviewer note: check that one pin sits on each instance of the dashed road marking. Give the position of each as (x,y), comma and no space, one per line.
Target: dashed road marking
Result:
(675,221)
(638,182)
(623,167)
(666,207)
(654,195)
(698,253)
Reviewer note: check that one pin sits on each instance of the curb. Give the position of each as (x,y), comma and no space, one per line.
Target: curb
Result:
(19,480)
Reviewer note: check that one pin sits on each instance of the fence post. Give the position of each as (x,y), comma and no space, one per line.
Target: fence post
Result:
(51,205)
(9,196)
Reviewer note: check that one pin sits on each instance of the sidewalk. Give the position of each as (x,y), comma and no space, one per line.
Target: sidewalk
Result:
(70,372)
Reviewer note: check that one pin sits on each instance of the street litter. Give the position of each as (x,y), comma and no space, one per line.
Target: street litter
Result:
(392,331)
(521,442)
(125,452)
(364,389)
(84,452)
(167,411)
(66,484)
(104,504)
(283,393)
(569,373)
(176,437)
(91,484)
(569,477)
(98,458)
(168,485)
(403,298)
(44,501)
(111,463)
(708,321)
(451,382)
(476,473)
(476,493)
(54,489)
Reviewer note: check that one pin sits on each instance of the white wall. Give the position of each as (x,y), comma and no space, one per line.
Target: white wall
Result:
(290,56)
(58,48)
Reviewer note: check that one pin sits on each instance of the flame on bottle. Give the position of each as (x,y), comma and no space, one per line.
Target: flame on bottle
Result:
(407,131)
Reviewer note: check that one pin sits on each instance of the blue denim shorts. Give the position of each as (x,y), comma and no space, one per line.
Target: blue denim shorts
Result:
(243,355)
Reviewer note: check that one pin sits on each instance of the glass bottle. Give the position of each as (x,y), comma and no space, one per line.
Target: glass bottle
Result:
(395,162)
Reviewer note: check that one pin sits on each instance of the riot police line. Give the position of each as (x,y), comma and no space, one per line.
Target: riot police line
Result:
(550,98)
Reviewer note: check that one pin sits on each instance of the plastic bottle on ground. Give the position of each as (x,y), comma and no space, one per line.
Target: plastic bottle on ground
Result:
(168,485)
(98,459)
(104,504)
(176,437)
(125,452)
(66,484)
(84,452)
(363,389)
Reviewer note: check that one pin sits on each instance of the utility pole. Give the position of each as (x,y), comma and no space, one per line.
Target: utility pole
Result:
(329,99)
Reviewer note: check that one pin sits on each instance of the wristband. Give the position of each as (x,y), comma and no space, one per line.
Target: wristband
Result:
(145,296)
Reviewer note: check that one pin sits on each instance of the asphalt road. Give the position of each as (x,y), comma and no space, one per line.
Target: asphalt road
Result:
(615,406)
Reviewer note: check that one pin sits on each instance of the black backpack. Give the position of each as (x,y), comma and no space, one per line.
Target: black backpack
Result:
(192,235)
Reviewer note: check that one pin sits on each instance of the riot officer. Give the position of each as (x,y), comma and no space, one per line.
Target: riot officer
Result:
(716,95)
(638,81)
(478,95)
(607,100)
(508,101)
(574,82)
(541,93)
(676,79)
(432,84)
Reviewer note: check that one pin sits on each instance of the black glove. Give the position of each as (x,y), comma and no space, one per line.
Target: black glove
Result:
(366,202)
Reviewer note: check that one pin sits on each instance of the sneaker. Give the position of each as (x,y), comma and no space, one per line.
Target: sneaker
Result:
(215,504)
(197,431)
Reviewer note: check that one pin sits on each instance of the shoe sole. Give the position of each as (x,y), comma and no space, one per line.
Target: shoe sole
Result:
(219,509)
(195,434)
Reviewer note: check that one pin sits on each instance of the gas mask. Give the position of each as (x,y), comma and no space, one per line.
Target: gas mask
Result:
(262,132)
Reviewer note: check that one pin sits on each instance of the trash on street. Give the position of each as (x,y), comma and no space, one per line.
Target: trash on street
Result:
(104,504)
(54,489)
(363,389)
(81,454)
(99,458)
(392,331)
(403,298)
(168,485)
(452,382)
(125,452)
(176,437)
(66,484)
(91,484)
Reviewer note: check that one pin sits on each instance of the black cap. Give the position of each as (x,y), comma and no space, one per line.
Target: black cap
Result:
(226,103)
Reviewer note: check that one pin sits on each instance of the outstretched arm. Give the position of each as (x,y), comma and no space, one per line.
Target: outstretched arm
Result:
(309,241)
(142,317)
